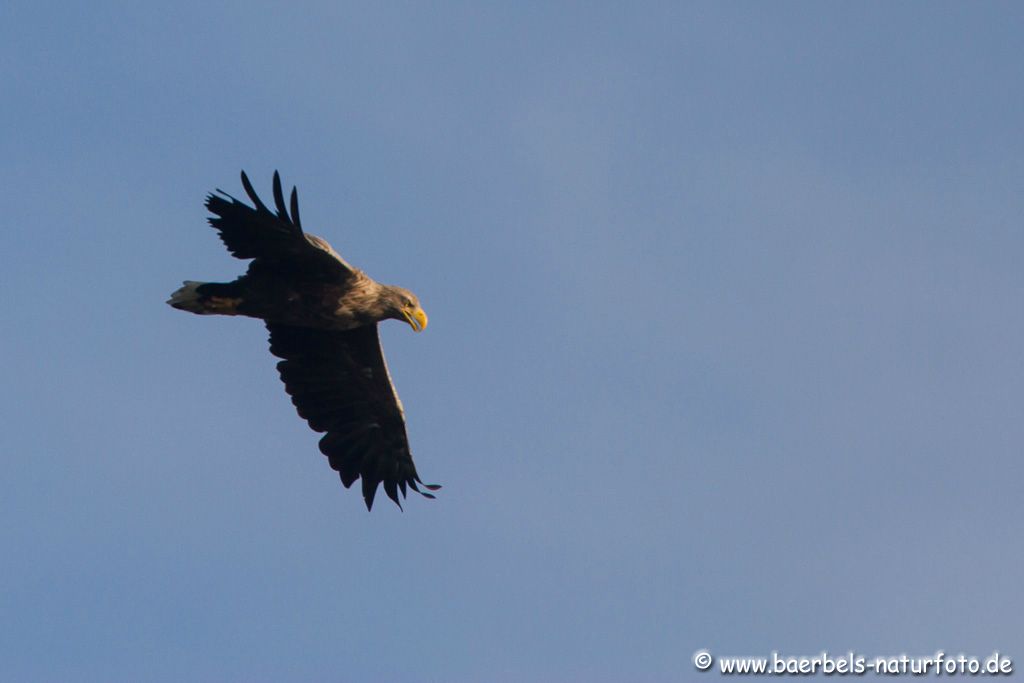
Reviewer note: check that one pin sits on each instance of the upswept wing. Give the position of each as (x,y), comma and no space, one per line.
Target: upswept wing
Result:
(275,240)
(339,383)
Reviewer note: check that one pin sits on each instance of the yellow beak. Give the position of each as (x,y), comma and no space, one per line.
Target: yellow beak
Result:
(416,317)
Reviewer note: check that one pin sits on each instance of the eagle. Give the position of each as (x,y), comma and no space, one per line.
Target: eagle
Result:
(322,315)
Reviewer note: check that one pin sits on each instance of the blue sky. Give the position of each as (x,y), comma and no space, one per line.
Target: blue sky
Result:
(724,352)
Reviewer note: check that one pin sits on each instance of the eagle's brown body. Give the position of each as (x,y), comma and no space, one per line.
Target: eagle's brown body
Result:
(272,297)
(322,315)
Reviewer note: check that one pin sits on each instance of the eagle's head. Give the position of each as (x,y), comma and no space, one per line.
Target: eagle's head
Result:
(401,304)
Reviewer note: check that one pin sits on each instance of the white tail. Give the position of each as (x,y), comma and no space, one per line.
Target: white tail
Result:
(187,298)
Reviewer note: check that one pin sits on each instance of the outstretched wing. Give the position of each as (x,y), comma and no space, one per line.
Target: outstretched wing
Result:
(339,383)
(275,240)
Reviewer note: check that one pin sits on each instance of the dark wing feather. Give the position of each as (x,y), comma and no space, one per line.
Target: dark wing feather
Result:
(275,241)
(339,383)
(295,208)
(282,213)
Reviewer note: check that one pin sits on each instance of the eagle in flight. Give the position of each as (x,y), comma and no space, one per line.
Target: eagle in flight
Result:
(322,314)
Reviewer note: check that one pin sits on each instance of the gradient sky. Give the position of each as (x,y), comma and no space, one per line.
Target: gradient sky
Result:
(725,347)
